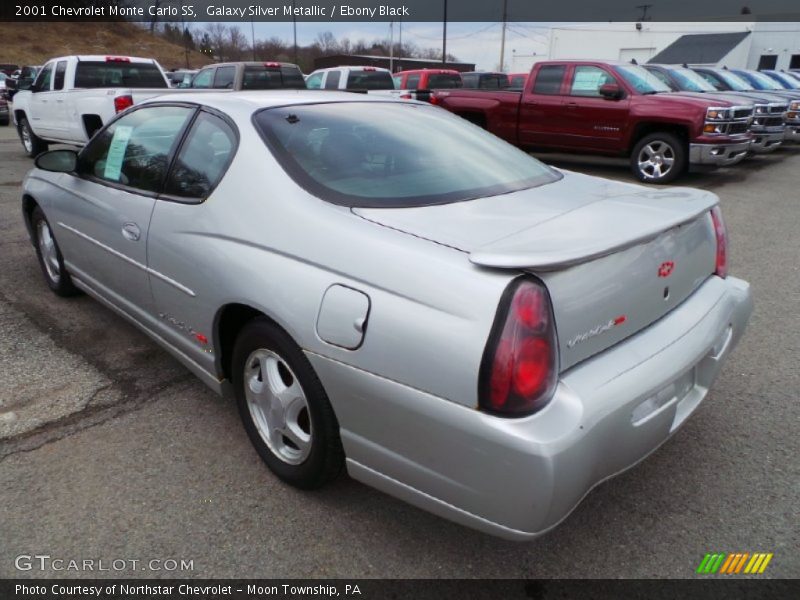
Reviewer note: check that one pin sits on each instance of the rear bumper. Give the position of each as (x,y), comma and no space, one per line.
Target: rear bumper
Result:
(517,478)
(718,155)
(767,141)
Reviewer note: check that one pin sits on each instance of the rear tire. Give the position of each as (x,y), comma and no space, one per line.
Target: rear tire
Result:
(49,254)
(284,408)
(659,158)
(33,145)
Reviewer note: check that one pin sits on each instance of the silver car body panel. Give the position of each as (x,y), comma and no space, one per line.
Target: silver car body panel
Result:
(404,388)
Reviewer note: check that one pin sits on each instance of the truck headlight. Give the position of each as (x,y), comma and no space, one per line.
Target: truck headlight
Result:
(718,114)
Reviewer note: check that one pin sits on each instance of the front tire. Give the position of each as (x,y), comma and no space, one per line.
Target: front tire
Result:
(50,259)
(33,144)
(284,408)
(659,158)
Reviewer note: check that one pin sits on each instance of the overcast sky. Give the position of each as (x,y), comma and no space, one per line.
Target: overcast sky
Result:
(477,43)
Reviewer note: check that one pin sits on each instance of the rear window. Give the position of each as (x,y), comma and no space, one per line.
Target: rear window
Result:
(444,81)
(370,80)
(272,78)
(387,154)
(90,74)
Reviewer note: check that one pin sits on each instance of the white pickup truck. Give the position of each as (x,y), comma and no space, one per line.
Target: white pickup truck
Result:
(73,96)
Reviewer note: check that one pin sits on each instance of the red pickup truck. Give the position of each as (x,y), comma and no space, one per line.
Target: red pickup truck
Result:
(613,109)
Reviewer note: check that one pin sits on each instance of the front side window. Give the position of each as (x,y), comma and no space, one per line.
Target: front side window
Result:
(202,159)
(223,78)
(586,81)
(548,80)
(42,83)
(203,79)
(134,150)
(314,81)
(382,154)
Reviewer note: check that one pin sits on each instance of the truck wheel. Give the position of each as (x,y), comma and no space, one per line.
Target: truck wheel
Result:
(33,145)
(658,158)
(49,254)
(284,408)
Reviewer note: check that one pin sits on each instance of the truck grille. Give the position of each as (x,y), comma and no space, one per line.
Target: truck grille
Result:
(738,127)
(742,113)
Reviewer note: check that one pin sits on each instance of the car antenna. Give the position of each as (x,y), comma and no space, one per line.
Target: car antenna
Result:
(685,66)
(633,61)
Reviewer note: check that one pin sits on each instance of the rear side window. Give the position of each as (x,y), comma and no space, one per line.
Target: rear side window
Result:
(134,151)
(332,80)
(61,69)
(95,74)
(518,81)
(548,80)
(223,78)
(292,78)
(492,82)
(202,159)
(370,80)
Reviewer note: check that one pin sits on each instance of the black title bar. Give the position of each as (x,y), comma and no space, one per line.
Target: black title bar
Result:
(393,10)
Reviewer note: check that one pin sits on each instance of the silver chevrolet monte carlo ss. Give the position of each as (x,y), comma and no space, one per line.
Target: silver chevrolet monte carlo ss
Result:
(385,286)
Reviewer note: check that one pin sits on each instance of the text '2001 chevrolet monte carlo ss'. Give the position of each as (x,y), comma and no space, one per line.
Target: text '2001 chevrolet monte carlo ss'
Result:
(458,324)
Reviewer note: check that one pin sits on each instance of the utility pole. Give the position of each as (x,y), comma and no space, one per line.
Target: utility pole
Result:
(400,49)
(444,34)
(253,38)
(294,28)
(503,36)
(391,47)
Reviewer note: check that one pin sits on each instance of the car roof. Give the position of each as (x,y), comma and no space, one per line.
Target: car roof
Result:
(245,103)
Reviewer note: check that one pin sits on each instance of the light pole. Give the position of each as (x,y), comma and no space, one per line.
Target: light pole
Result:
(294,30)
(444,34)
(503,35)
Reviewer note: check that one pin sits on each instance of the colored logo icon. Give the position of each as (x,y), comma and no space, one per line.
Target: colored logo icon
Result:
(734,563)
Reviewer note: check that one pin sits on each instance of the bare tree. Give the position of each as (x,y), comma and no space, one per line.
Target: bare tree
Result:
(218,36)
(237,43)
(326,42)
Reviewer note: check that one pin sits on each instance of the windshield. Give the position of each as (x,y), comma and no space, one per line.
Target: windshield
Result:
(739,84)
(642,80)
(691,82)
(760,81)
(387,154)
(787,81)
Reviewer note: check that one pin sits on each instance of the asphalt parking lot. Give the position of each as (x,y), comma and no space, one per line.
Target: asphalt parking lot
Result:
(109,449)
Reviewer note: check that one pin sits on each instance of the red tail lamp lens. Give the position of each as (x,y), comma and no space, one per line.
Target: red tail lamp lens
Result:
(722,241)
(122,102)
(519,371)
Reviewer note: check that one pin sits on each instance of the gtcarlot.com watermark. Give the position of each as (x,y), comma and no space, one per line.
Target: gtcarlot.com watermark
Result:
(45,562)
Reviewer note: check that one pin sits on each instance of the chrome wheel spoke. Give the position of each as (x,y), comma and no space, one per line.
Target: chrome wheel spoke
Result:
(278,405)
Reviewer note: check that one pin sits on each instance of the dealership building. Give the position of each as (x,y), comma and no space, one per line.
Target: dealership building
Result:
(745,45)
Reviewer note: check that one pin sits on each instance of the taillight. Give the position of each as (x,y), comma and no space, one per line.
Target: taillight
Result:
(519,371)
(405,96)
(123,102)
(722,242)
(434,99)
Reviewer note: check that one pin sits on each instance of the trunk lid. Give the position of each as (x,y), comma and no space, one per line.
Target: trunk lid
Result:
(615,257)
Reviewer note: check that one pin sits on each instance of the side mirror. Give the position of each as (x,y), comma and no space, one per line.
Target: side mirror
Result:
(610,91)
(24,83)
(58,161)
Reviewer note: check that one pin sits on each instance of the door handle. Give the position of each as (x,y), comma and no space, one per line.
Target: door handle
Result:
(572,105)
(131,231)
